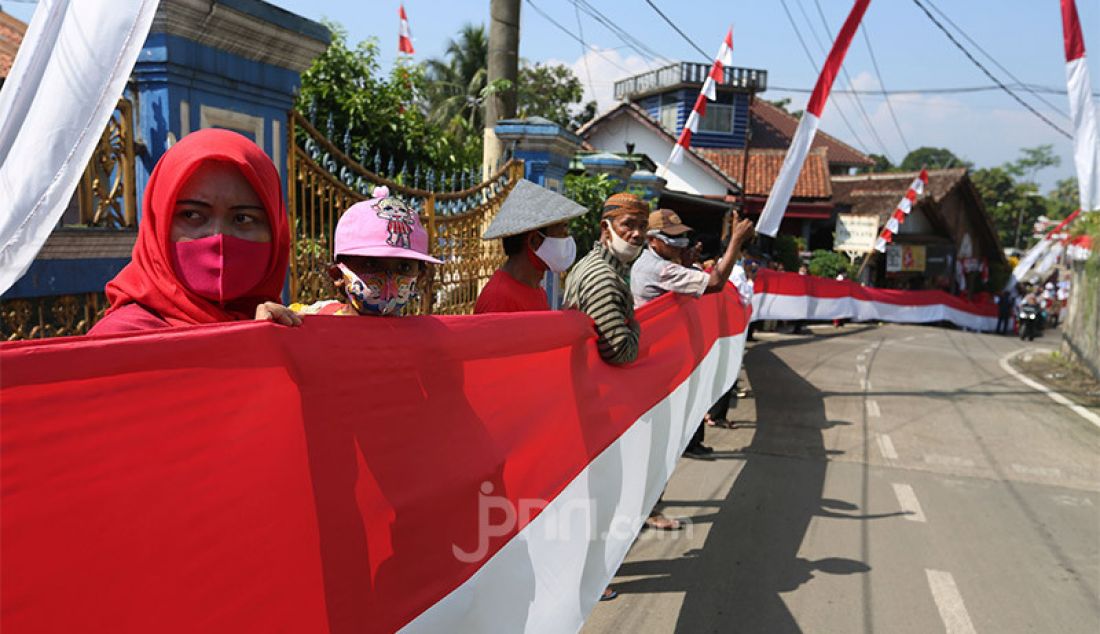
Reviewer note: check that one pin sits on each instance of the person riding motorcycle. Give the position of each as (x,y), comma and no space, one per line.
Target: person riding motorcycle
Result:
(1030,318)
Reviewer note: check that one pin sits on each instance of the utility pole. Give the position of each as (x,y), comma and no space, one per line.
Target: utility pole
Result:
(503,64)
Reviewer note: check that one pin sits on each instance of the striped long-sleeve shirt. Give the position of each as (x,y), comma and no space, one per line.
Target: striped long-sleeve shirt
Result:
(597,286)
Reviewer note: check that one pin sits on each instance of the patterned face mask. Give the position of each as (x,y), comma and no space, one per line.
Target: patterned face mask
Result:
(378,293)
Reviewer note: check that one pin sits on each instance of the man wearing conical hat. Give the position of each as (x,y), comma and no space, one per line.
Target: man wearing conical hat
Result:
(533,224)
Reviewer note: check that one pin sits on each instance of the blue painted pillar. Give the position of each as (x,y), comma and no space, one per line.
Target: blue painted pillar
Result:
(234,64)
(546,149)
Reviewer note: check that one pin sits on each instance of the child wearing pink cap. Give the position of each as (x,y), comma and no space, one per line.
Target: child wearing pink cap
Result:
(380,251)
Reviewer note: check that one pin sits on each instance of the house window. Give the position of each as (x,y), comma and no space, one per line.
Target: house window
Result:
(719,118)
(669,116)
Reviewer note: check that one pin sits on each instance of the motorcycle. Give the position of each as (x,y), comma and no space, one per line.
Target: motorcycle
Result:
(1030,320)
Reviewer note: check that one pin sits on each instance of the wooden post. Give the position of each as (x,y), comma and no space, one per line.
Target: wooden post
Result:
(426,299)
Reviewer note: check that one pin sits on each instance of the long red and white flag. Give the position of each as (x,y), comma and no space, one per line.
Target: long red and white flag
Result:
(1086,135)
(404,35)
(708,92)
(893,225)
(247,477)
(780,195)
(1026,263)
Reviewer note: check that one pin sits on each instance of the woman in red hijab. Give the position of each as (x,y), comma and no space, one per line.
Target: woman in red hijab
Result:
(213,242)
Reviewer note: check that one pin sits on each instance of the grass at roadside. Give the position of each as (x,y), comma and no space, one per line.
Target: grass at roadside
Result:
(1059,373)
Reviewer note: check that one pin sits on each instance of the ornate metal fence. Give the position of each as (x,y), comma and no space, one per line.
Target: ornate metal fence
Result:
(106,198)
(56,316)
(324,180)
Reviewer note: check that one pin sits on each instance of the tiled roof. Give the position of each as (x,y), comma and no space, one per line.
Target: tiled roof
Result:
(772,127)
(880,193)
(764,165)
(11,36)
(74,244)
(641,116)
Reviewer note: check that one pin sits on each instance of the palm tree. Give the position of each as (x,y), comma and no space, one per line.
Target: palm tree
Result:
(456,84)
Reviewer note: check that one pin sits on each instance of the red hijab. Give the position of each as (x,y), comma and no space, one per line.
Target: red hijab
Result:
(150,281)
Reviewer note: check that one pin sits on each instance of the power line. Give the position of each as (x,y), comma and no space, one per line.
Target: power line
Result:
(851,85)
(676,28)
(813,64)
(584,53)
(626,37)
(882,85)
(989,74)
(994,60)
(935,91)
(574,36)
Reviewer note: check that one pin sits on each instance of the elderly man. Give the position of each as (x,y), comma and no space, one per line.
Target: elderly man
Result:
(533,227)
(597,284)
(659,271)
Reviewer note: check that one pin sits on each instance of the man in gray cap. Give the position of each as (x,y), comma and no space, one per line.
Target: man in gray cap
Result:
(534,228)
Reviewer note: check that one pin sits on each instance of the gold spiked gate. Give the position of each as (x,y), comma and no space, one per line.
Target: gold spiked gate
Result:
(324,180)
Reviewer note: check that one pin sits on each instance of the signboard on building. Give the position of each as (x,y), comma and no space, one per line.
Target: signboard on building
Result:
(855,233)
(905,258)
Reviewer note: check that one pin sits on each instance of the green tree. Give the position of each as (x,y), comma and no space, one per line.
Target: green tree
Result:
(379,112)
(786,250)
(1033,160)
(457,84)
(1063,199)
(552,91)
(932,158)
(589,192)
(882,164)
(830,264)
(1011,204)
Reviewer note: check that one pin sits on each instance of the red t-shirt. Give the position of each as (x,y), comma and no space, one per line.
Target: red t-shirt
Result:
(506,294)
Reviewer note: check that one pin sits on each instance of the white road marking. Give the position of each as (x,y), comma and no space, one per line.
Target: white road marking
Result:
(949,602)
(907,500)
(861,369)
(949,461)
(1072,500)
(1048,472)
(908,338)
(861,358)
(1081,411)
(872,409)
(886,446)
(865,385)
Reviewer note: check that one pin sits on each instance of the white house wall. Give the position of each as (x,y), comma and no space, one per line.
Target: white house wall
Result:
(687,177)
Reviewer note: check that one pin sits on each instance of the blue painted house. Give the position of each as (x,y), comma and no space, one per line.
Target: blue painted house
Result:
(232,64)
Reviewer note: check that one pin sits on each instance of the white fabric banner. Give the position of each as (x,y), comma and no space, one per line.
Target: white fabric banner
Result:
(66,79)
(1086,135)
(788,176)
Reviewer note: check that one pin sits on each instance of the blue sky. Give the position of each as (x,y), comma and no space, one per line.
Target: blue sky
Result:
(987,128)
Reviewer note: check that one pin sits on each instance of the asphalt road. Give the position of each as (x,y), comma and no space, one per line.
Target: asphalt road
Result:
(880,479)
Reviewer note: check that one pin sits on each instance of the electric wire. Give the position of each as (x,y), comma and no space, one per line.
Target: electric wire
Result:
(988,73)
(813,64)
(994,60)
(882,86)
(851,85)
(640,47)
(677,29)
(584,51)
(574,36)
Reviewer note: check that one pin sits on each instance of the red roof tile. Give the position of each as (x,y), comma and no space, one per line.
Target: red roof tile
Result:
(764,166)
(11,36)
(772,127)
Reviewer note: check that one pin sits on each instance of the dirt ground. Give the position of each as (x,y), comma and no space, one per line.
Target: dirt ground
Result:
(1057,372)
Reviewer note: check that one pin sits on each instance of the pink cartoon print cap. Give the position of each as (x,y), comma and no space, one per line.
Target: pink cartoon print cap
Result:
(382,227)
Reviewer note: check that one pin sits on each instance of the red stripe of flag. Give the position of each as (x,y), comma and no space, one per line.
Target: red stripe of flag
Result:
(836,58)
(1071,31)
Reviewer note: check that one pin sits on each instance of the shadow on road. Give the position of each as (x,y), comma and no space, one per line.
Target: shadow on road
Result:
(733,583)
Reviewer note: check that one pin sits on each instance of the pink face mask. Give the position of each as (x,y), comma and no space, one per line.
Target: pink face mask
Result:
(220,268)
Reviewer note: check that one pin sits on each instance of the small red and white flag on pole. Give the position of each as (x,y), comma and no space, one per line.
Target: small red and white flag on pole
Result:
(404,36)
(780,195)
(708,92)
(1086,136)
(893,225)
